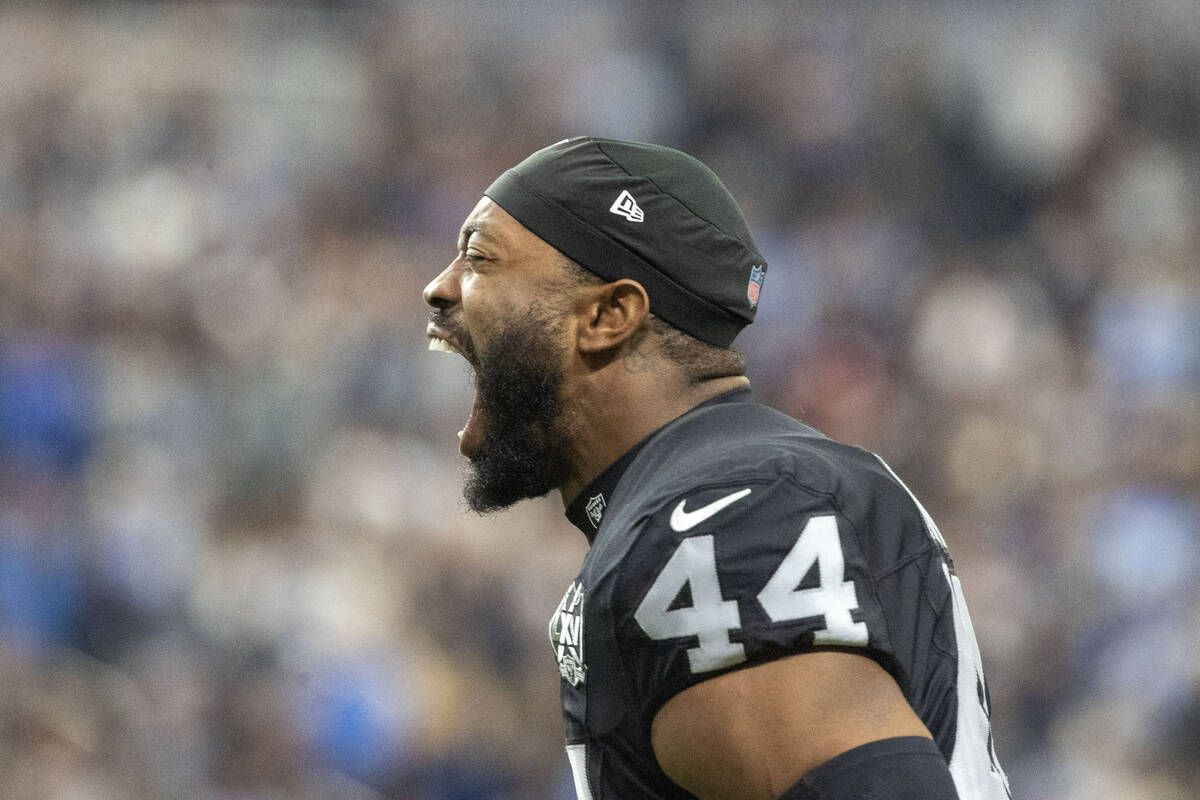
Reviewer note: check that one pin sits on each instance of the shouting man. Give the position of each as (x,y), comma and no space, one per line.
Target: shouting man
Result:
(763,612)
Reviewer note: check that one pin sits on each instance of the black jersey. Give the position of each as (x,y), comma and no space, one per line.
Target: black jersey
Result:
(735,535)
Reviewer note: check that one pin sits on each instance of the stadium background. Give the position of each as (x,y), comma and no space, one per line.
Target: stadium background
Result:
(233,562)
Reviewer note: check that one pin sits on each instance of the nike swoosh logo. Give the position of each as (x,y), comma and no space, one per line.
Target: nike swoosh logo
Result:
(686,520)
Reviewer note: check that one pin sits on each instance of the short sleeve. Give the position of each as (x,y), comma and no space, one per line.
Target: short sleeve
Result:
(734,574)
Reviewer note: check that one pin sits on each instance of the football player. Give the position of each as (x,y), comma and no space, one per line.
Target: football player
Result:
(763,612)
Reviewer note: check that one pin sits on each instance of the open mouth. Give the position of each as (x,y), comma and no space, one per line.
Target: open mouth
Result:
(443,346)
(471,434)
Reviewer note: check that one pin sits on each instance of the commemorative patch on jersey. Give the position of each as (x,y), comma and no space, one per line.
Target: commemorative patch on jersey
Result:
(566,635)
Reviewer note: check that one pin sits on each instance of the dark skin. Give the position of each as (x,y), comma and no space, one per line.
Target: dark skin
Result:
(746,735)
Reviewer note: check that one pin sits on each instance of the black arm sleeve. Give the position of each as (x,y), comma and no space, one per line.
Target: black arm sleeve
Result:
(902,768)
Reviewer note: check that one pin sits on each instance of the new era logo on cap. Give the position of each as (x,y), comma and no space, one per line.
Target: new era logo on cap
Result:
(627,207)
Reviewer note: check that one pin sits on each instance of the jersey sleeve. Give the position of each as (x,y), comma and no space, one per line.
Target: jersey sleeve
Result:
(733,574)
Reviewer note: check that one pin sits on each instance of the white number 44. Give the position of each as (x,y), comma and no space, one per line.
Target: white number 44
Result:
(709,617)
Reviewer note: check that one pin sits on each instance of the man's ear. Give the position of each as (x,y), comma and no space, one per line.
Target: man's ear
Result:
(613,312)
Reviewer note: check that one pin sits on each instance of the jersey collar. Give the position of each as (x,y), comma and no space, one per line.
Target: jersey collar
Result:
(587,510)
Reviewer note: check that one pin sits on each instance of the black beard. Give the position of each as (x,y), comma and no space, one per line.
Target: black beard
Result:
(519,389)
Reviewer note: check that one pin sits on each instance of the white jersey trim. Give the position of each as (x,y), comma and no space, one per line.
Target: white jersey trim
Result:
(577,755)
(973,764)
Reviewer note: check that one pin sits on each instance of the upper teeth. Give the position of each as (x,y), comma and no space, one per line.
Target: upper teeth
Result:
(442,345)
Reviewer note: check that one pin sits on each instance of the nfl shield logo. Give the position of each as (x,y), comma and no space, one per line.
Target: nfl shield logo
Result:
(755,285)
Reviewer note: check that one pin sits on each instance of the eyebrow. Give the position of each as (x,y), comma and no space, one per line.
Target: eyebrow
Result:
(473,228)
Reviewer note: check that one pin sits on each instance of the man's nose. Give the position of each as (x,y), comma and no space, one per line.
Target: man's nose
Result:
(442,291)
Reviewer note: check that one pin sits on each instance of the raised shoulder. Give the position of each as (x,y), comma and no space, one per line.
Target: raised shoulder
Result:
(743,537)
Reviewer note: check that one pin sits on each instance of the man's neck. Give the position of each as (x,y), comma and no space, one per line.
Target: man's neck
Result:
(607,419)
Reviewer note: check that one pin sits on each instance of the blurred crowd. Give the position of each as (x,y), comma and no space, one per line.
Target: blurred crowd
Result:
(234,562)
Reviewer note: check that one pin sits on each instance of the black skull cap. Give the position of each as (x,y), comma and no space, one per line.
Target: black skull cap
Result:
(647,212)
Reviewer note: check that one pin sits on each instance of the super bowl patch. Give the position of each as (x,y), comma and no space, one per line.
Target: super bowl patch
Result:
(566,635)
